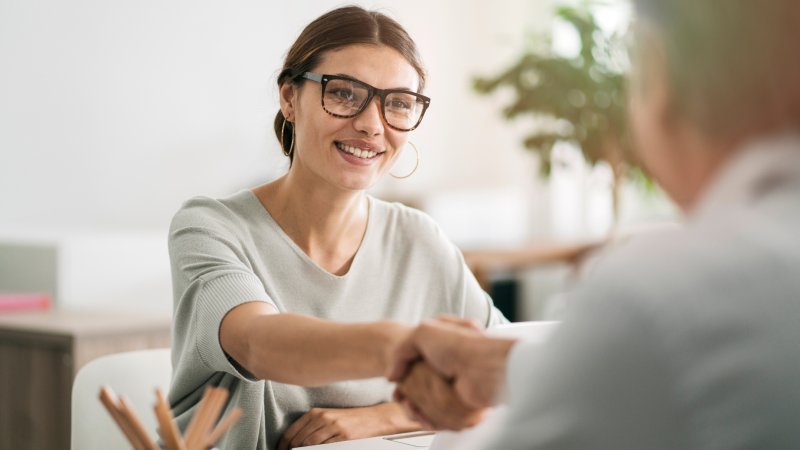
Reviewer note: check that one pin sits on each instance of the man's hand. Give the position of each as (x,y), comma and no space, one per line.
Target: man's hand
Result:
(474,363)
(432,401)
(326,425)
(440,337)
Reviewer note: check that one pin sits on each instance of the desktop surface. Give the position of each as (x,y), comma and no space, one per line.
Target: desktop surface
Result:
(419,440)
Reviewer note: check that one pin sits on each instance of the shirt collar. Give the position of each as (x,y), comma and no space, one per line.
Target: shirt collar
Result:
(758,167)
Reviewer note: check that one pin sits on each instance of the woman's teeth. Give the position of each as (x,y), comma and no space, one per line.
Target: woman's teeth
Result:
(357,152)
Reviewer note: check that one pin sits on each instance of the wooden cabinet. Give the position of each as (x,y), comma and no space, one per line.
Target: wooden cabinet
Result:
(40,353)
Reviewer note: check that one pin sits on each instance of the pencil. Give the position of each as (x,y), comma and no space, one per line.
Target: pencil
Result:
(223,426)
(191,430)
(208,416)
(215,412)
(169,429)
(203,418)
(127,408)
(109,400)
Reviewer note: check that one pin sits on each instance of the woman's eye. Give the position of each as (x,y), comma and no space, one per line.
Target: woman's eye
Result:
(397,104)
(343,94)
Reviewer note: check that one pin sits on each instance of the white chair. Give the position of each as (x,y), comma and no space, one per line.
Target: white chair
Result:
(133,374)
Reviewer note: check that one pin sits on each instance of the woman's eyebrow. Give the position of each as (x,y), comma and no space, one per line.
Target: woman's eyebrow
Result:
(404,88)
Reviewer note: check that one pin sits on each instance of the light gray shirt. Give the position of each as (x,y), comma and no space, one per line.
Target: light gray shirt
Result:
(688,339)
(230,251)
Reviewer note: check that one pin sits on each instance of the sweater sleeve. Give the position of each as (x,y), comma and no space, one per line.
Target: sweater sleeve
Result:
(478,305)
(472,301)
(211,276)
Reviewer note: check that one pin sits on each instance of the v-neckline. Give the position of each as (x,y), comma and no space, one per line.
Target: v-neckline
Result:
(303,255)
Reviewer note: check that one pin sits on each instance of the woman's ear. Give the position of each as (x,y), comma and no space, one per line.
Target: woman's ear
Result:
(288,100)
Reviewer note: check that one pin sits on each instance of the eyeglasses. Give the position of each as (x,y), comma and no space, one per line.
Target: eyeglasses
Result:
(347,97)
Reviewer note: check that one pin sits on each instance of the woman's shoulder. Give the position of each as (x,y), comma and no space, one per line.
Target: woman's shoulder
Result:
(215,213)
(403,219)
(400,212)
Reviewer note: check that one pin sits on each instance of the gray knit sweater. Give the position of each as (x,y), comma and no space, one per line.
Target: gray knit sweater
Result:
(230,251)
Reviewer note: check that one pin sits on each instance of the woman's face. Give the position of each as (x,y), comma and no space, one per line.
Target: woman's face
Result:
(323,142)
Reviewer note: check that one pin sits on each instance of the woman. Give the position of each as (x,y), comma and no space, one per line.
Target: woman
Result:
(284,291)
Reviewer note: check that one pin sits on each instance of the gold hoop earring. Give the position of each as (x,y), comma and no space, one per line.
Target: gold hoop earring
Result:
(291,143)
(416,163)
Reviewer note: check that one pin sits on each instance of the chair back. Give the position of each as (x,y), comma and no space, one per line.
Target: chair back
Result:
(134,374)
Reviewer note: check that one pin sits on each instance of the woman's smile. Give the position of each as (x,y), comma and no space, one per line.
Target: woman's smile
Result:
(359,152)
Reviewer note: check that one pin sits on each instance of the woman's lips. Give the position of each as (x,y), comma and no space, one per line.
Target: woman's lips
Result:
(356,155)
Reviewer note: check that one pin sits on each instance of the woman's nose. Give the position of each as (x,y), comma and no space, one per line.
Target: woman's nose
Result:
(369,121)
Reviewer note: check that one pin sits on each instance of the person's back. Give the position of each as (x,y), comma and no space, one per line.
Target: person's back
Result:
(729,305)
(682,339)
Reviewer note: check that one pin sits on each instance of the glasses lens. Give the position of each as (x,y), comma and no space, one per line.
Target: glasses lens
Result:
(344,97)
(403,110)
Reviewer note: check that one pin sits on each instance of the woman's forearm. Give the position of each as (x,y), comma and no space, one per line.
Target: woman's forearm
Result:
(307,351)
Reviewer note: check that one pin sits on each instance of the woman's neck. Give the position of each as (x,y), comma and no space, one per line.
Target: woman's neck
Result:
(327,224)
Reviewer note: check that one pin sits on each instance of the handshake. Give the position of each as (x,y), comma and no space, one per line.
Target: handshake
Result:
(448,373)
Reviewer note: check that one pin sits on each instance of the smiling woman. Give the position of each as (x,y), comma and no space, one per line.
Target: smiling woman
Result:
(285,291)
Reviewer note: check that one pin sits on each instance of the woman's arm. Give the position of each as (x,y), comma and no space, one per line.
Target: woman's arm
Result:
(306,351)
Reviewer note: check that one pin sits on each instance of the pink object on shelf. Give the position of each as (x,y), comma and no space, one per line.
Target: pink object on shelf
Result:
(21,302)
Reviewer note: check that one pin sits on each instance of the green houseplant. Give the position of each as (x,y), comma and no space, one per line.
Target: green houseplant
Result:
(583,96)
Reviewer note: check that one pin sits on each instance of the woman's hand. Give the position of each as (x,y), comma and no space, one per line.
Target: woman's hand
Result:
(473,363)
(434,402)
(326,425)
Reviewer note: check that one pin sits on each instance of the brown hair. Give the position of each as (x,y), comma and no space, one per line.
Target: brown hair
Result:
(734,67)
(336,29)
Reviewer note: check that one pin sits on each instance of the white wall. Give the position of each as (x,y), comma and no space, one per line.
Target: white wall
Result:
(114,112)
